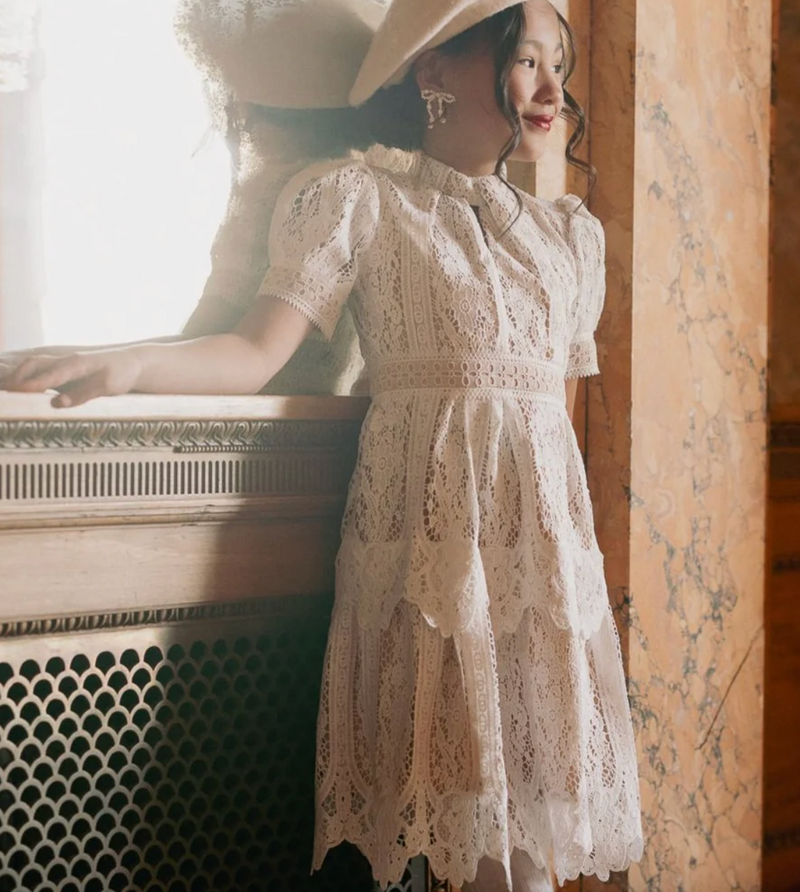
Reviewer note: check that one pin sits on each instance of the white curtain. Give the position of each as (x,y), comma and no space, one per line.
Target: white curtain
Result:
(115,199)
(21,270)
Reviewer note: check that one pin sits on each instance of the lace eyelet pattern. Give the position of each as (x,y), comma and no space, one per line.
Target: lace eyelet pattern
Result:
(473,700)
(468,373)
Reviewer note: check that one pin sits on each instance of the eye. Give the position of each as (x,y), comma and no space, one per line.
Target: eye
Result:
(528,62)
(559,69)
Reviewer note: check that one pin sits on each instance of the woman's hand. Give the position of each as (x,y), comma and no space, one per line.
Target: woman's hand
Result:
(10,361)
(78,377)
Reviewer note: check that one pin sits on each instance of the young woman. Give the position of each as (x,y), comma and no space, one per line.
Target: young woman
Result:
(473,703)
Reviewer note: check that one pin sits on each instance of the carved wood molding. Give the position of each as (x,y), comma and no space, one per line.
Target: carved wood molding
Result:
(785,435)
(142,460)
(251,608)
(784,428)
(188,436)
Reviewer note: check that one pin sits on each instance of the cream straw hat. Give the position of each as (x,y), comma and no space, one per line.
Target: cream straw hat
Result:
(410,28)
(280,53)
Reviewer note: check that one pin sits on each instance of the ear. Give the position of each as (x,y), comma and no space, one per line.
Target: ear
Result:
(429,71)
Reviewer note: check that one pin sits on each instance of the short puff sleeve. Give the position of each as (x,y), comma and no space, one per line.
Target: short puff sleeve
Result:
(324,219)
(587,239)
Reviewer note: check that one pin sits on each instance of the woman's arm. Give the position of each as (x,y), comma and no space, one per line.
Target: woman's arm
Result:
(210,316)
(240,362)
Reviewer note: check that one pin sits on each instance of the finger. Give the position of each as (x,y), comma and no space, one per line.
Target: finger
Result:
(20,371)
(24,370)
(54,375)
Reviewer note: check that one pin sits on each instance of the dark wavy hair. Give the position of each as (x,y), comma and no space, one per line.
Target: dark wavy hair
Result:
(395,117)
(397,114)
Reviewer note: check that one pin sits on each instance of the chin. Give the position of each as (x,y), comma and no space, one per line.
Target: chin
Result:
(527,154)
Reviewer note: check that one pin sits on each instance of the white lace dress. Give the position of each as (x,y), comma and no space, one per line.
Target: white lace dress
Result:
(473,699)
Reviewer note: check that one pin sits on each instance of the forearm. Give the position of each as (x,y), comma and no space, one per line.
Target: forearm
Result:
(66,350)
(215,364)
(237,363)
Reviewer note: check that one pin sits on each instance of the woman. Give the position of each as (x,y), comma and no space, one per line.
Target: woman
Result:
(473,702)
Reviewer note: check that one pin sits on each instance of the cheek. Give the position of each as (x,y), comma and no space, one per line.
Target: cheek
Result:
(477,88)
(519,91)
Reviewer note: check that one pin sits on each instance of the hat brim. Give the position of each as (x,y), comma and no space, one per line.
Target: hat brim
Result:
(410,28)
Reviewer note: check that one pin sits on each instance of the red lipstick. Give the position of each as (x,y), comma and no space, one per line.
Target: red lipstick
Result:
(544,122)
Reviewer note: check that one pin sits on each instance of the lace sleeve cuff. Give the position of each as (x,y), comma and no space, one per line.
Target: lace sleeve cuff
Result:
(582,360)
(306,294)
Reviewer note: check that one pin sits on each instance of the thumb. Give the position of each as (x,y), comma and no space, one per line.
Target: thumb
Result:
(75,393)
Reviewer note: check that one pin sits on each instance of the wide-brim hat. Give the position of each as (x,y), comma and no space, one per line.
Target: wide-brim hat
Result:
(279,53)
(409,29)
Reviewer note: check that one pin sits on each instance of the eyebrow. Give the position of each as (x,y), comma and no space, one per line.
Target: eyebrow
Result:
(540,46)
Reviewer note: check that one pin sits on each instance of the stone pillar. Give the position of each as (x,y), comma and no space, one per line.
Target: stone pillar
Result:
(680,110)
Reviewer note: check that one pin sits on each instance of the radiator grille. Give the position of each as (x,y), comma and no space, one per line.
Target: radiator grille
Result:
(175,767)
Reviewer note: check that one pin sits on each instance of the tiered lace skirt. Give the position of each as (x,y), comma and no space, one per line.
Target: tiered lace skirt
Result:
(473,698)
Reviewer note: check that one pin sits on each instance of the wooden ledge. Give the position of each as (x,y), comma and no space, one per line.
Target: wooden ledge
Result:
(136,407)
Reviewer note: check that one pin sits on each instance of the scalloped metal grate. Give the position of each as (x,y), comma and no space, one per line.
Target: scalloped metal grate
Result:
(159,768)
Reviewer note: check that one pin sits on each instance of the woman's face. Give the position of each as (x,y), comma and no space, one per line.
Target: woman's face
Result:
(534,87)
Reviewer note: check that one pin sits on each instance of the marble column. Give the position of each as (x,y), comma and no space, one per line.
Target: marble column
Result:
(680,110)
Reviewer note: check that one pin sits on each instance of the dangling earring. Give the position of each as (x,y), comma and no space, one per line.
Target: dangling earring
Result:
(441,100)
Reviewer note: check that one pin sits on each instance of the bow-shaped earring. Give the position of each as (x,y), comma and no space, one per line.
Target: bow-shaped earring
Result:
(440,100)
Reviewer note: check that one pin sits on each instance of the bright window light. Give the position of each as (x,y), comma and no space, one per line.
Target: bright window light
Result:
(133,193)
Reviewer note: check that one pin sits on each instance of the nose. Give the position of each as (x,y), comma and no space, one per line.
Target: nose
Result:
(550,90)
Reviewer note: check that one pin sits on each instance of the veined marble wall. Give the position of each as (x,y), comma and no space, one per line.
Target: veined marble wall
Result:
(680,108)
(785,346)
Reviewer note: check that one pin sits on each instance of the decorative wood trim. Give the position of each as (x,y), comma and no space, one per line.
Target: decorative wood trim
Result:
(785,435)
(253,608)
(784,413)
(190,436)
(783,840)
(67,479)
(790,564)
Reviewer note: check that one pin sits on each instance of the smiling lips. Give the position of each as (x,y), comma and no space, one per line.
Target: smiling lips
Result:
(543,122)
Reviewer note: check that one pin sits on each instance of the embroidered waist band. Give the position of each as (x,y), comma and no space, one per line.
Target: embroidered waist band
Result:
(469,374)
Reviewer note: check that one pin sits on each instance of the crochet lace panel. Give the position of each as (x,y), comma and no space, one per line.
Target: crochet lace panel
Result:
(476,745)
(473,700)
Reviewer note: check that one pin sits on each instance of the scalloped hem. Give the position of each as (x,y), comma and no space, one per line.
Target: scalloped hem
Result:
(448,582)
(634,853)
(635,850)
(464,747)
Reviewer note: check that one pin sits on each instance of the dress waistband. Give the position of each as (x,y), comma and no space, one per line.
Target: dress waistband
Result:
(469,374)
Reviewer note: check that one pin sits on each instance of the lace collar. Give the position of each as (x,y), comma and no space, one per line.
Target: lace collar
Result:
(484,191)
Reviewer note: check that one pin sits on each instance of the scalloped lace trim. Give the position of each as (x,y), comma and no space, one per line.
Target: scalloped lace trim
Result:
(582,358)
(474,745)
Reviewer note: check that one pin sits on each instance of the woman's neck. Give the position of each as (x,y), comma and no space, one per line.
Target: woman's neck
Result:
(471,159)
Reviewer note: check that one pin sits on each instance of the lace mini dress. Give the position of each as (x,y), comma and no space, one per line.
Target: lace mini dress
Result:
(473,698)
